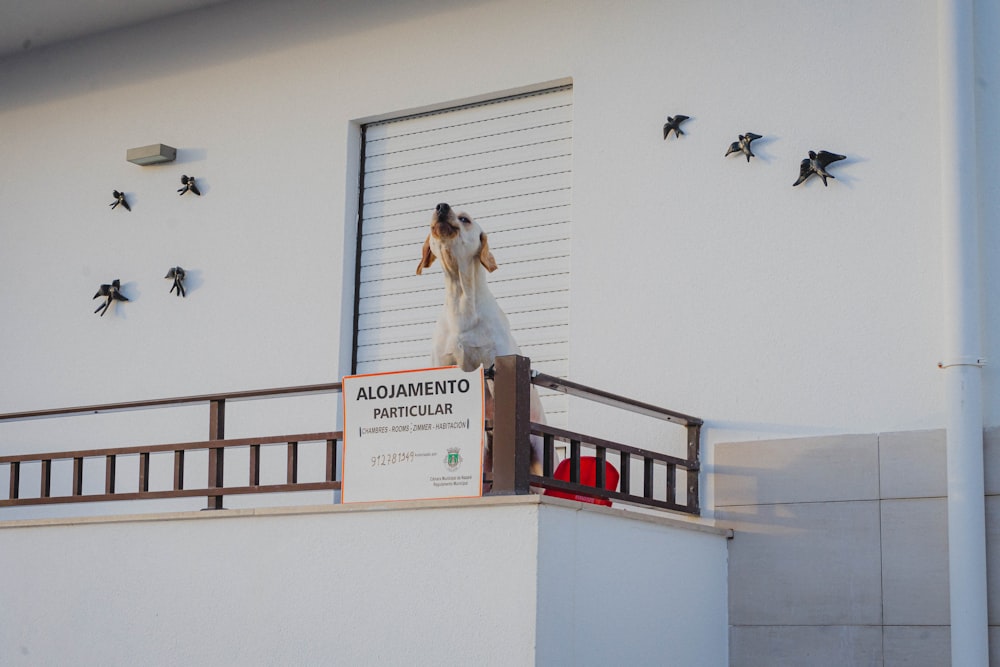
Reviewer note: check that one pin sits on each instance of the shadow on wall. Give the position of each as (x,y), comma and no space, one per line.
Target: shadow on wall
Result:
(747,430)
(190,41)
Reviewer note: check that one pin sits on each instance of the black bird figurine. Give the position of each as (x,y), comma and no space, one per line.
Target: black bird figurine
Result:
(743,145)
(177,274)
(817,163)
(119,199)
(188,183)
(110,293)
(674,123)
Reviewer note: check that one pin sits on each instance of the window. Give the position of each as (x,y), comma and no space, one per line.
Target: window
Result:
(508,163)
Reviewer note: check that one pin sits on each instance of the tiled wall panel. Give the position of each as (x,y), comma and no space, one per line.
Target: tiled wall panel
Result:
(840,553)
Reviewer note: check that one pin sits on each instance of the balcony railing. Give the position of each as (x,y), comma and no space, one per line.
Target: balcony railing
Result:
(511,454)
(511,457)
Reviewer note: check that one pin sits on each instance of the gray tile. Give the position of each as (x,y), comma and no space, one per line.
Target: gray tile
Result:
(798,646)
(915,561)
(916,645)
(796,470)
(913,464)
(804,564)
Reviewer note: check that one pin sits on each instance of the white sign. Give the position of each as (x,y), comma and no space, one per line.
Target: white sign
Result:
(413,435)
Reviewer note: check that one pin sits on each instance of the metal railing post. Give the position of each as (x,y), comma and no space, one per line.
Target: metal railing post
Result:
(512,425)
(694,456)
(216,431)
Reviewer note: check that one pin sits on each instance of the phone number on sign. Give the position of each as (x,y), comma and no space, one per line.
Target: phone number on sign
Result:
(392,458)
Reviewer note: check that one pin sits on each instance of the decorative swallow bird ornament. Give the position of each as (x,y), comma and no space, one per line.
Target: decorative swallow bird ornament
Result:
(177,274)
(119,199)
(110,293)
(674,123)
(743,145)
(817,163)
(188,183)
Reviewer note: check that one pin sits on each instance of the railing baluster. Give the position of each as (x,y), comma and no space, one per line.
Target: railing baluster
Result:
(647,477)
(671,483)
(144,472)
(331,460)
(600,473)
(78,476)
(625,474)
(293,463)
(15,479)
(46,489)
(109,473)
(178,470)
(254,465)
(548,454)
(692,502)
(144,460)
(574,461)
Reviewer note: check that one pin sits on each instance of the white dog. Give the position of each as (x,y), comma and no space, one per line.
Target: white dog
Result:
(472,329)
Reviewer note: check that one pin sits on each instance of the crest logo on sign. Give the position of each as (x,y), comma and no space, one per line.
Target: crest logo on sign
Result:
(454,459)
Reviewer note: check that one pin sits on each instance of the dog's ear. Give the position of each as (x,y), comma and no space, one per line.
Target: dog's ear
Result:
(485,256)
(427,258)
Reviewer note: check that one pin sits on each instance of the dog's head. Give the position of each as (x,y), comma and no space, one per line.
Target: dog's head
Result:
(457,240)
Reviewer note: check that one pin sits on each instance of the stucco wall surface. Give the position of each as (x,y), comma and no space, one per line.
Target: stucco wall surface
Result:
(614,592)
(434,583)
(701,283)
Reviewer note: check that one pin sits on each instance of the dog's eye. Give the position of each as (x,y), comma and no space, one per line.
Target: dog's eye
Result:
(464,219)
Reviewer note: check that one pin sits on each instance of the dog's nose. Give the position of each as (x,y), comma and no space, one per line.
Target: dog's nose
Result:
(442,209)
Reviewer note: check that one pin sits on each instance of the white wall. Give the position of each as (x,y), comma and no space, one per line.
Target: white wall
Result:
(987,16)
(615,592)
(700,283)
(440,583)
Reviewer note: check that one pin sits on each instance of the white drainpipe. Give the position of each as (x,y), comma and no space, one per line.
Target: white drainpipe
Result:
(962,364)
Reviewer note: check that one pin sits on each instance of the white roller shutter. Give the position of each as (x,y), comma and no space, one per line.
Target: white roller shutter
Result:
(508,163)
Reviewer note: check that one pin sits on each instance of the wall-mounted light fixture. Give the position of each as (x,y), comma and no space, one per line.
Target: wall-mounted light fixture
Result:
(152,154)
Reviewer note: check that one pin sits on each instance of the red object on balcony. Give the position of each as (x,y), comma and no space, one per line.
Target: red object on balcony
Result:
(588,476)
